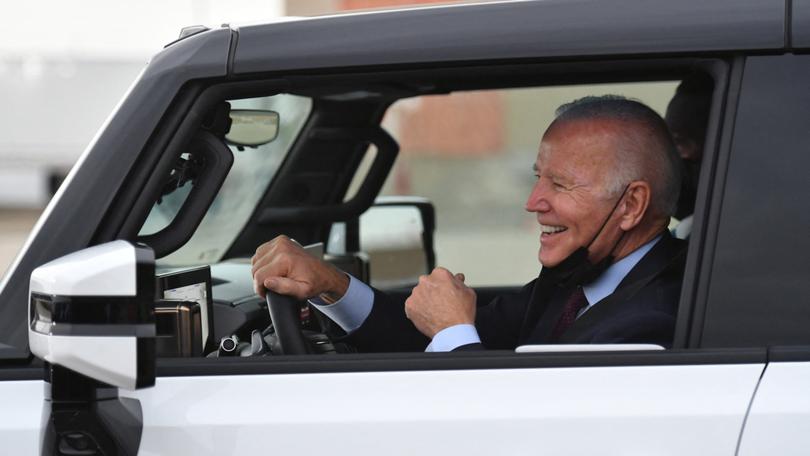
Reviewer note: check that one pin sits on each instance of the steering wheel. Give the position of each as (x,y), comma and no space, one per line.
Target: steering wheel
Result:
(286,316)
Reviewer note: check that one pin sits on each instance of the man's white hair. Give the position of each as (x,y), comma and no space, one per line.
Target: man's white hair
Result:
(646,153)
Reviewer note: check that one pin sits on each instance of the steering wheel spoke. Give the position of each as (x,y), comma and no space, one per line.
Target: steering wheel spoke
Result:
(285,312)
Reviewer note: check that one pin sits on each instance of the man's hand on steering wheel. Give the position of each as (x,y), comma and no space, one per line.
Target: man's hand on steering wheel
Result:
(284,267)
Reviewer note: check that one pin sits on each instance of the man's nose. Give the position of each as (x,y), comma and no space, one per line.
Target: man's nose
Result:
(537,201)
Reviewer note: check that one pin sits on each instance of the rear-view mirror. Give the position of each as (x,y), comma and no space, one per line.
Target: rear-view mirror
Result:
(252,127)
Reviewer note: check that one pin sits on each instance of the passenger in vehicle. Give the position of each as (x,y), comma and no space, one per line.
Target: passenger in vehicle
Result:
(607,183)
(687,117)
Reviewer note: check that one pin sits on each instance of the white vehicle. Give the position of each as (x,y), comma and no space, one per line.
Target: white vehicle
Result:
(118,316)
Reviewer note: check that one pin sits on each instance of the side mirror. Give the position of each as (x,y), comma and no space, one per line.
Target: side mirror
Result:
(396,234)
(92,312)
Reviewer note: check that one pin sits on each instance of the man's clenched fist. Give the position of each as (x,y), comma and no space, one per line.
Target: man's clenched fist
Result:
(283,266)
(439,301)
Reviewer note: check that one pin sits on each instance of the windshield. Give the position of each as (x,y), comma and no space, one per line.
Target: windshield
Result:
(253,170)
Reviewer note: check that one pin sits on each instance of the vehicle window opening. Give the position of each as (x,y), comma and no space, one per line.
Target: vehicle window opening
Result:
(478,144)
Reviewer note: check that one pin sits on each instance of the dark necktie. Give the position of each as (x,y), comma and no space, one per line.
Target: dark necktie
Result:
(575,303)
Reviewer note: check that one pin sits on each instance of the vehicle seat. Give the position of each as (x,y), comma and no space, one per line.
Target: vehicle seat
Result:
(684,228)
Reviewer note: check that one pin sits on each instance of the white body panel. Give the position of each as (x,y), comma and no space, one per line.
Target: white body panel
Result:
(656,410)
(113,360)
(779,420)
(103,270)
(21,405)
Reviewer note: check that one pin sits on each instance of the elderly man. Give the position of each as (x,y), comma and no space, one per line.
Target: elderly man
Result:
(607,183)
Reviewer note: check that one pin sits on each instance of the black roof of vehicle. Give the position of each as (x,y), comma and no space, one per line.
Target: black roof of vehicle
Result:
(513,30)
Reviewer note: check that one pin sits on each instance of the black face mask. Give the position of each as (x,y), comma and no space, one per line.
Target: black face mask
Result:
(576,269)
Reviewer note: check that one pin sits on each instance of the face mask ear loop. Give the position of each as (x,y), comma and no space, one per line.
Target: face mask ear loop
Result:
(608,218)
(613,249)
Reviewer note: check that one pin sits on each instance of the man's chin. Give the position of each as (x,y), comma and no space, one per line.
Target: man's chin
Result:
(547,262)
(552,253)
(552,257)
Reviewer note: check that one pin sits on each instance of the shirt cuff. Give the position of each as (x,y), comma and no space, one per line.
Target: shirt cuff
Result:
(450,338)
(352,309)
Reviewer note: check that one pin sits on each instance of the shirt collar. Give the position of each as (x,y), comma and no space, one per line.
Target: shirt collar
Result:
(606,283)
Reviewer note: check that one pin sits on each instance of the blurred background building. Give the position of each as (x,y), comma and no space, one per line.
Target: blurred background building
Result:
(65,65)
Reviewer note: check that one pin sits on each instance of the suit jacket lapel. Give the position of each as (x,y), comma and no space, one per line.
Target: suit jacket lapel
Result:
(656,260)
(665,253)
(544,300)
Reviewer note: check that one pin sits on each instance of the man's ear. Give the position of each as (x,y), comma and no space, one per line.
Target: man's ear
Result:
(635,206)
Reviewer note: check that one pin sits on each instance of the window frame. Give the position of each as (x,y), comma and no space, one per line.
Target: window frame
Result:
(605,70)
(755,293)
(688,321)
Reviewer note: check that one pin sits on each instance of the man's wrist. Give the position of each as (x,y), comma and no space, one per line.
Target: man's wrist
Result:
(337,290)
(352,309)
(449,325)
(450,338)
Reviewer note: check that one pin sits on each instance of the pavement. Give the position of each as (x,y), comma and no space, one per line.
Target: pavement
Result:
(15,225)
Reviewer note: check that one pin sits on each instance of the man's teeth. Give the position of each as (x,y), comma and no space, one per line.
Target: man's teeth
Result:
(549,229)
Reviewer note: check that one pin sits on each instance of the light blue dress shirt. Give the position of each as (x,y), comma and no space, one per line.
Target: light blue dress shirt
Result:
(350,311)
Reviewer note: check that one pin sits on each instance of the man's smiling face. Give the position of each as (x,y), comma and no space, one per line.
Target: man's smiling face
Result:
(570,196)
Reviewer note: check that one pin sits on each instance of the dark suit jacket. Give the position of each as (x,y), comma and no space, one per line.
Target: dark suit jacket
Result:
(641,310)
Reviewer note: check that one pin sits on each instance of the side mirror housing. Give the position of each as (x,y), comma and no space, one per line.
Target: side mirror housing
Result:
(92,312)
(397,235)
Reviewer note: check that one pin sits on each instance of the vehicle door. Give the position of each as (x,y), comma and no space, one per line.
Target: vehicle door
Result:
(479,403)
(22,395)
(759,294)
